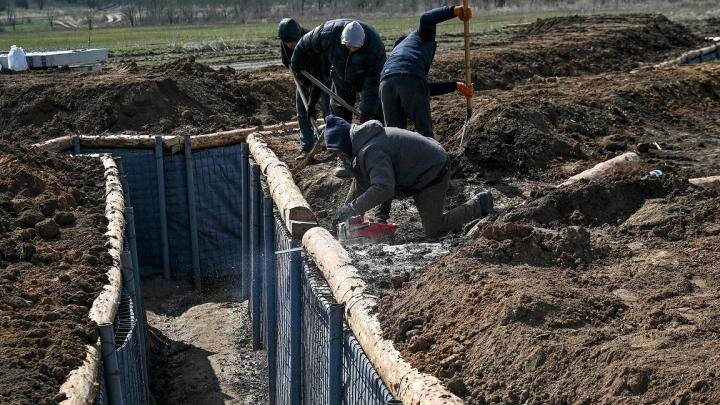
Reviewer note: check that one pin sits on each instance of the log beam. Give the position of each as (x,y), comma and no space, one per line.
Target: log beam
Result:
(626,163)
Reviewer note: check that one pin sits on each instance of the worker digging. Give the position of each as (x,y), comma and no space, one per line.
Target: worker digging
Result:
(356,54)
(289,33)
(384,164)
(396,163)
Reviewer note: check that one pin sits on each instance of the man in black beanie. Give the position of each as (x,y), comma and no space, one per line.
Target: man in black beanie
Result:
(289,33)
(392,163)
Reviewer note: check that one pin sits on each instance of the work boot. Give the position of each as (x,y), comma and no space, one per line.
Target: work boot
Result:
(342,168)
(301,156)
(484,202)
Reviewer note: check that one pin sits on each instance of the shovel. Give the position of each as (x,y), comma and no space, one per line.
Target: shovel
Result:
(319,140)
(468,74)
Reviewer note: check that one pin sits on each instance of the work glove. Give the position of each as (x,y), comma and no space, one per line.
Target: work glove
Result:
(345,213)
(465,90)
(462,13)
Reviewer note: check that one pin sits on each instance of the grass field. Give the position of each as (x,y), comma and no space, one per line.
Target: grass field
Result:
(238,42)
(252,40)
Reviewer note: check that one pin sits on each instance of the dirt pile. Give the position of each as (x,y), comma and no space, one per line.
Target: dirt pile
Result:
(572,46)
(179,97)
(618,312)
(553,122)
(53,262)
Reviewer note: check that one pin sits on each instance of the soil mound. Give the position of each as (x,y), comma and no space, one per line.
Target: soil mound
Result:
(179,97)
(572,46)
(609,201)
(53,262)
(635,324)
(551,122)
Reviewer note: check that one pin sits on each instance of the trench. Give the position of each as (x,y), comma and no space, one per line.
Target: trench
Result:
(220,302)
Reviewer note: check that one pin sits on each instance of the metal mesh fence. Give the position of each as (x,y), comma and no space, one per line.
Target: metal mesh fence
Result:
(217,181)
(333,367)
(361,383)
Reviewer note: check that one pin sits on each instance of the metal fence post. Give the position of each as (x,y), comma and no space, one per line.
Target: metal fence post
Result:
(245,239)
(335,353)
(194,246)
(110,364)
(256,246)
(160,170)
(76,145)
(296,268)
(270,298)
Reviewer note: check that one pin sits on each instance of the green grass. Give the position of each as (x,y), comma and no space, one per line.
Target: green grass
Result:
(252,37)
(250,41)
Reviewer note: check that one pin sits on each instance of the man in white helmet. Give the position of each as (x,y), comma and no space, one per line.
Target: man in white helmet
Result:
(356,54)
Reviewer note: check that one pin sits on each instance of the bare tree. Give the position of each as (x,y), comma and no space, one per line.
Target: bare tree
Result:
(12,17)
(88,17)
(130,12)
(50,16)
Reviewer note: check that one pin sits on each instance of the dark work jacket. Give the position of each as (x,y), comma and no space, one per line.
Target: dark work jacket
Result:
(319,67)
(414,55)
(360,70)
(391,163)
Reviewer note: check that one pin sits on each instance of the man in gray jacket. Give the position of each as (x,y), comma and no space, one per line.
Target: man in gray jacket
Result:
(392,163)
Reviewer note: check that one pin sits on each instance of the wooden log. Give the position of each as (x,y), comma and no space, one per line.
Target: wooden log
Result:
(56,145)
(294,209)
(625,163)
(105,305)
(127,141)
(82,384)
(712,182)
(406,383)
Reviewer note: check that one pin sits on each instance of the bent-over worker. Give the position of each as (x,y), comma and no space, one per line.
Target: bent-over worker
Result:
(289,33)
(356,54)
(393,162)
(404,89)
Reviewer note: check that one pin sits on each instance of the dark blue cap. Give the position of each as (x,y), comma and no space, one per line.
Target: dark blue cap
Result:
(337,134)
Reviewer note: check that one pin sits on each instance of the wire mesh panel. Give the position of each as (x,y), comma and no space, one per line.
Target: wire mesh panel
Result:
(128,353)
(316,299)
(142,194)
(217,184)
(361,383)
(283,245)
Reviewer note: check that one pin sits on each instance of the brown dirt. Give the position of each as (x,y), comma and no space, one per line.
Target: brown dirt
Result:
(179,97)
(571,46)
(539,129)
(53,262)
(616,313)
(198,356)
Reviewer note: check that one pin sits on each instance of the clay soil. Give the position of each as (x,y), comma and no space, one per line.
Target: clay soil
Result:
(53,263)
(180,97)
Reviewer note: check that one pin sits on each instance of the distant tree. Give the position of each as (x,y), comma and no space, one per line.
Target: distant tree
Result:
(88,17)
(50,16)
(22,4)
(11,15)
(41,4)
(130,12)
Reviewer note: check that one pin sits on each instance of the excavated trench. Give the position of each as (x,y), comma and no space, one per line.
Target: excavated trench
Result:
(619,271)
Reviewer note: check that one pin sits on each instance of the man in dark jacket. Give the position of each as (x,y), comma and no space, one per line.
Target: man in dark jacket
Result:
(289,33)
(357,55)
(396,163)
(404,89)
